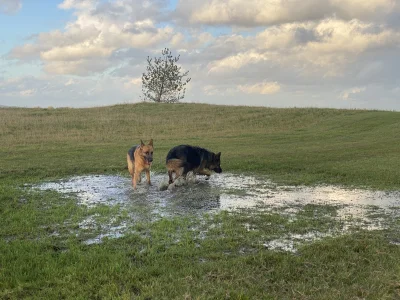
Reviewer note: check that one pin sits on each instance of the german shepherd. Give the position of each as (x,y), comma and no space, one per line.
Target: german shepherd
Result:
(184,158)
(139,159)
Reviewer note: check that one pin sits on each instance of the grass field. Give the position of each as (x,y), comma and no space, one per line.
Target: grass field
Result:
(42,256)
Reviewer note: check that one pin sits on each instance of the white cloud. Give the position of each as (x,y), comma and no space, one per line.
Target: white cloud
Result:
(250,13)
(346,95)
(361,9)
(213,90)
(27,93)
(78,4)
(272,12)
(10,6)
(70,82)
(325,47)
(352,37)
(75,52)
(263,88)
(133,82)
(137,81)
(197,40)
(87,44)
(78,67)
(236,61)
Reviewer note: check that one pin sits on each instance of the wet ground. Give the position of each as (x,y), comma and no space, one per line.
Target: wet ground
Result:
(355,207)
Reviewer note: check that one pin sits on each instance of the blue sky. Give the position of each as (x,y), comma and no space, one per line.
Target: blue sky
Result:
(308,53)
(16,28)
(33,17)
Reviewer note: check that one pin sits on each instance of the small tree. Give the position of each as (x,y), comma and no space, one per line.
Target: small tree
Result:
(164,81)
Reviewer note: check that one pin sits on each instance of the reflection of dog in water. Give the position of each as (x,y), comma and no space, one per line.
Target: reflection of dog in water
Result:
(201,196)
(139,159)
(184,158)
(198,195)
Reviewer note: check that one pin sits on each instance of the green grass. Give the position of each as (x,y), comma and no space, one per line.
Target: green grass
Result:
(165,260)
(215,257)
(293,146)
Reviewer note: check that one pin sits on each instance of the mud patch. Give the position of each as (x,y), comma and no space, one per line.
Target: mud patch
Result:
(353,207)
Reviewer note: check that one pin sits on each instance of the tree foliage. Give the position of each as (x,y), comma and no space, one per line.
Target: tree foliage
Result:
(164,80)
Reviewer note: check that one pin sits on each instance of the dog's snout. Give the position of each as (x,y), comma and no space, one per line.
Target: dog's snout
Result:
(150,159)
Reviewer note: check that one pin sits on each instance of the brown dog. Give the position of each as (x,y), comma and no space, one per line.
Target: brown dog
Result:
(139,159)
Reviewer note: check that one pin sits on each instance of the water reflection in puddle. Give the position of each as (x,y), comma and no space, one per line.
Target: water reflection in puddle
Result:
(223,192)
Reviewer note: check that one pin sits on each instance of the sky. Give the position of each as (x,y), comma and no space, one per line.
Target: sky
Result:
(275,53)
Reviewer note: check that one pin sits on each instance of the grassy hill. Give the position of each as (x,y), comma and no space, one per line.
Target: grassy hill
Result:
(295,146)
(215,256)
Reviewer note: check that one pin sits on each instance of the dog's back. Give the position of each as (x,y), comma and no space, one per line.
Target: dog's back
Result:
(188,155)
(131,152)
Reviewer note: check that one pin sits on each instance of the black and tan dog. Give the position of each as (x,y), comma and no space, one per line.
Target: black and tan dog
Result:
(184,158)
(139,159)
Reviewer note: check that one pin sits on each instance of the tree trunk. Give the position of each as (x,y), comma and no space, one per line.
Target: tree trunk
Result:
(160,93)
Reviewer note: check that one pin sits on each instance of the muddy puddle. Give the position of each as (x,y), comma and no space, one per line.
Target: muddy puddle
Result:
(355,207)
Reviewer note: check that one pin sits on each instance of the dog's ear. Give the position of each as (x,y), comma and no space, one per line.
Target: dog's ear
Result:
(151,142)
(141,144)
(218,154)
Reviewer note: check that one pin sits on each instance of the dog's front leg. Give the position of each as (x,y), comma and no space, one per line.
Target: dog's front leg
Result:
(148,176)
(205,172)
(135,179)
(171,180)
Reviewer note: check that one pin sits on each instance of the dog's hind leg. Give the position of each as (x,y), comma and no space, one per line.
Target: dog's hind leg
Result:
(180,173)
(174,166)
(186,168)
